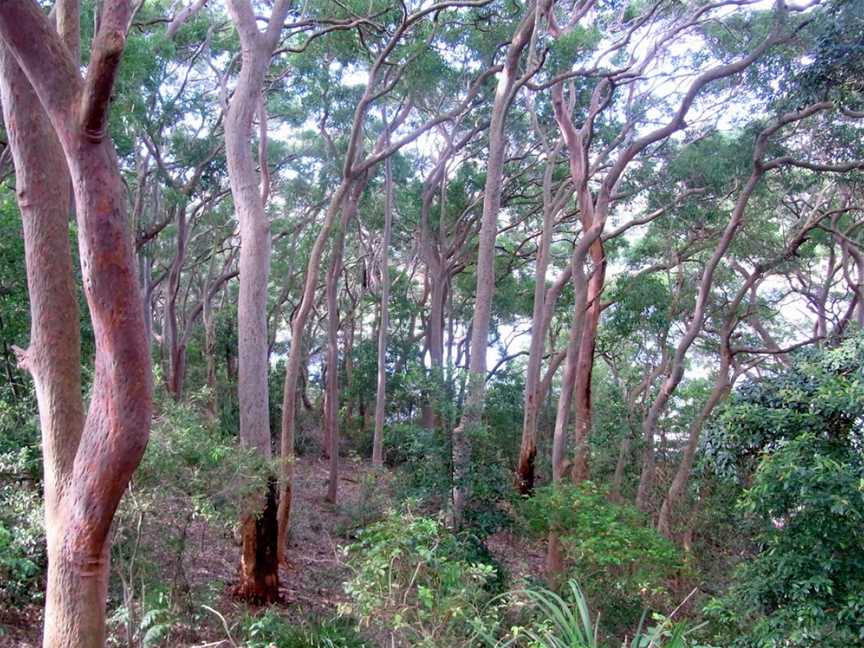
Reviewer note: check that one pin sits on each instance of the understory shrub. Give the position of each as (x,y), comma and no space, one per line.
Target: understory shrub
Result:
(418,583)
(192,480)
(564,620)
(22,526)
(796,438)
(623,564)
(269,629)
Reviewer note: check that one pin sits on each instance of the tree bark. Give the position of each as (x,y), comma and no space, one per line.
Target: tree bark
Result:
(472,411)
(383,321)
(88,463)
(259,574)
(540,319)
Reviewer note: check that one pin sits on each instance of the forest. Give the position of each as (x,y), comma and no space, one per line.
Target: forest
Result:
(432,323)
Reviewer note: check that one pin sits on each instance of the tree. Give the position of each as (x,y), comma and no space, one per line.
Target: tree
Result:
(88,467)
(259,565)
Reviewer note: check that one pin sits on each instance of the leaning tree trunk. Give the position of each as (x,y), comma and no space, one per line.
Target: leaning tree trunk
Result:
(472,411)
(293,366)
(259,567)
(331,396)
(722,385)
(88,463)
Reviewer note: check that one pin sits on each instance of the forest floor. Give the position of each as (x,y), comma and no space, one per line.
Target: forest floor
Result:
(312,581)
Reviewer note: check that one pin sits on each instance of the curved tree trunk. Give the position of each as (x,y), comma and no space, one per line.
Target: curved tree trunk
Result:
(88,461)
(472,412)
(540,319)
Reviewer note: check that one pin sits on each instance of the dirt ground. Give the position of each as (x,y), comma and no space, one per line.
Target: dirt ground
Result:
(311,582)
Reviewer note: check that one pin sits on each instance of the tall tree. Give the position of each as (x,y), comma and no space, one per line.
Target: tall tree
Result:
(89,462)
(259,567)
(509,82)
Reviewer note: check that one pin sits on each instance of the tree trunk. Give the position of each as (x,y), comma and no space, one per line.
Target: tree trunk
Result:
(331,393)
(472,412)
(676,371)
(384,321)
(176,346)
(331,387)
(88,462)
(722,385)
(259,574)
(585,367)
(293,365)
(209,318)
(541,317)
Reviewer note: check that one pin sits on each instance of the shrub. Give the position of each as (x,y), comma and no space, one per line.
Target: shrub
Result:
(22,530)
(192,476)
(556,621)
(803,431)
(418,582)
(609,548)
(269,629)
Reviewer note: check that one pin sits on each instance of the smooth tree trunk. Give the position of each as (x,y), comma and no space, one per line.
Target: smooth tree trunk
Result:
(293,368)
(331,380)
(259,567)
(176,346)
(540,319)
(560,464)
(383,321)
(472,412)
(88,460)
(209,318)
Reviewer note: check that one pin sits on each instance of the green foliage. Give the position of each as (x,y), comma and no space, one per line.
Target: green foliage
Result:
(802,433)
(556,621)
(20,566)
(192,476)
(22,532)
(147,622)
(270,629)
(610,548)
(419,582)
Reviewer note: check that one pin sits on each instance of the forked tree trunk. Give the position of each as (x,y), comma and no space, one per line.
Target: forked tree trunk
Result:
(88,462)
(736,218)
(259,573)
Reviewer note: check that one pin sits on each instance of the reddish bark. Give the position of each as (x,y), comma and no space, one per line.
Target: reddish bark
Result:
(87,475)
